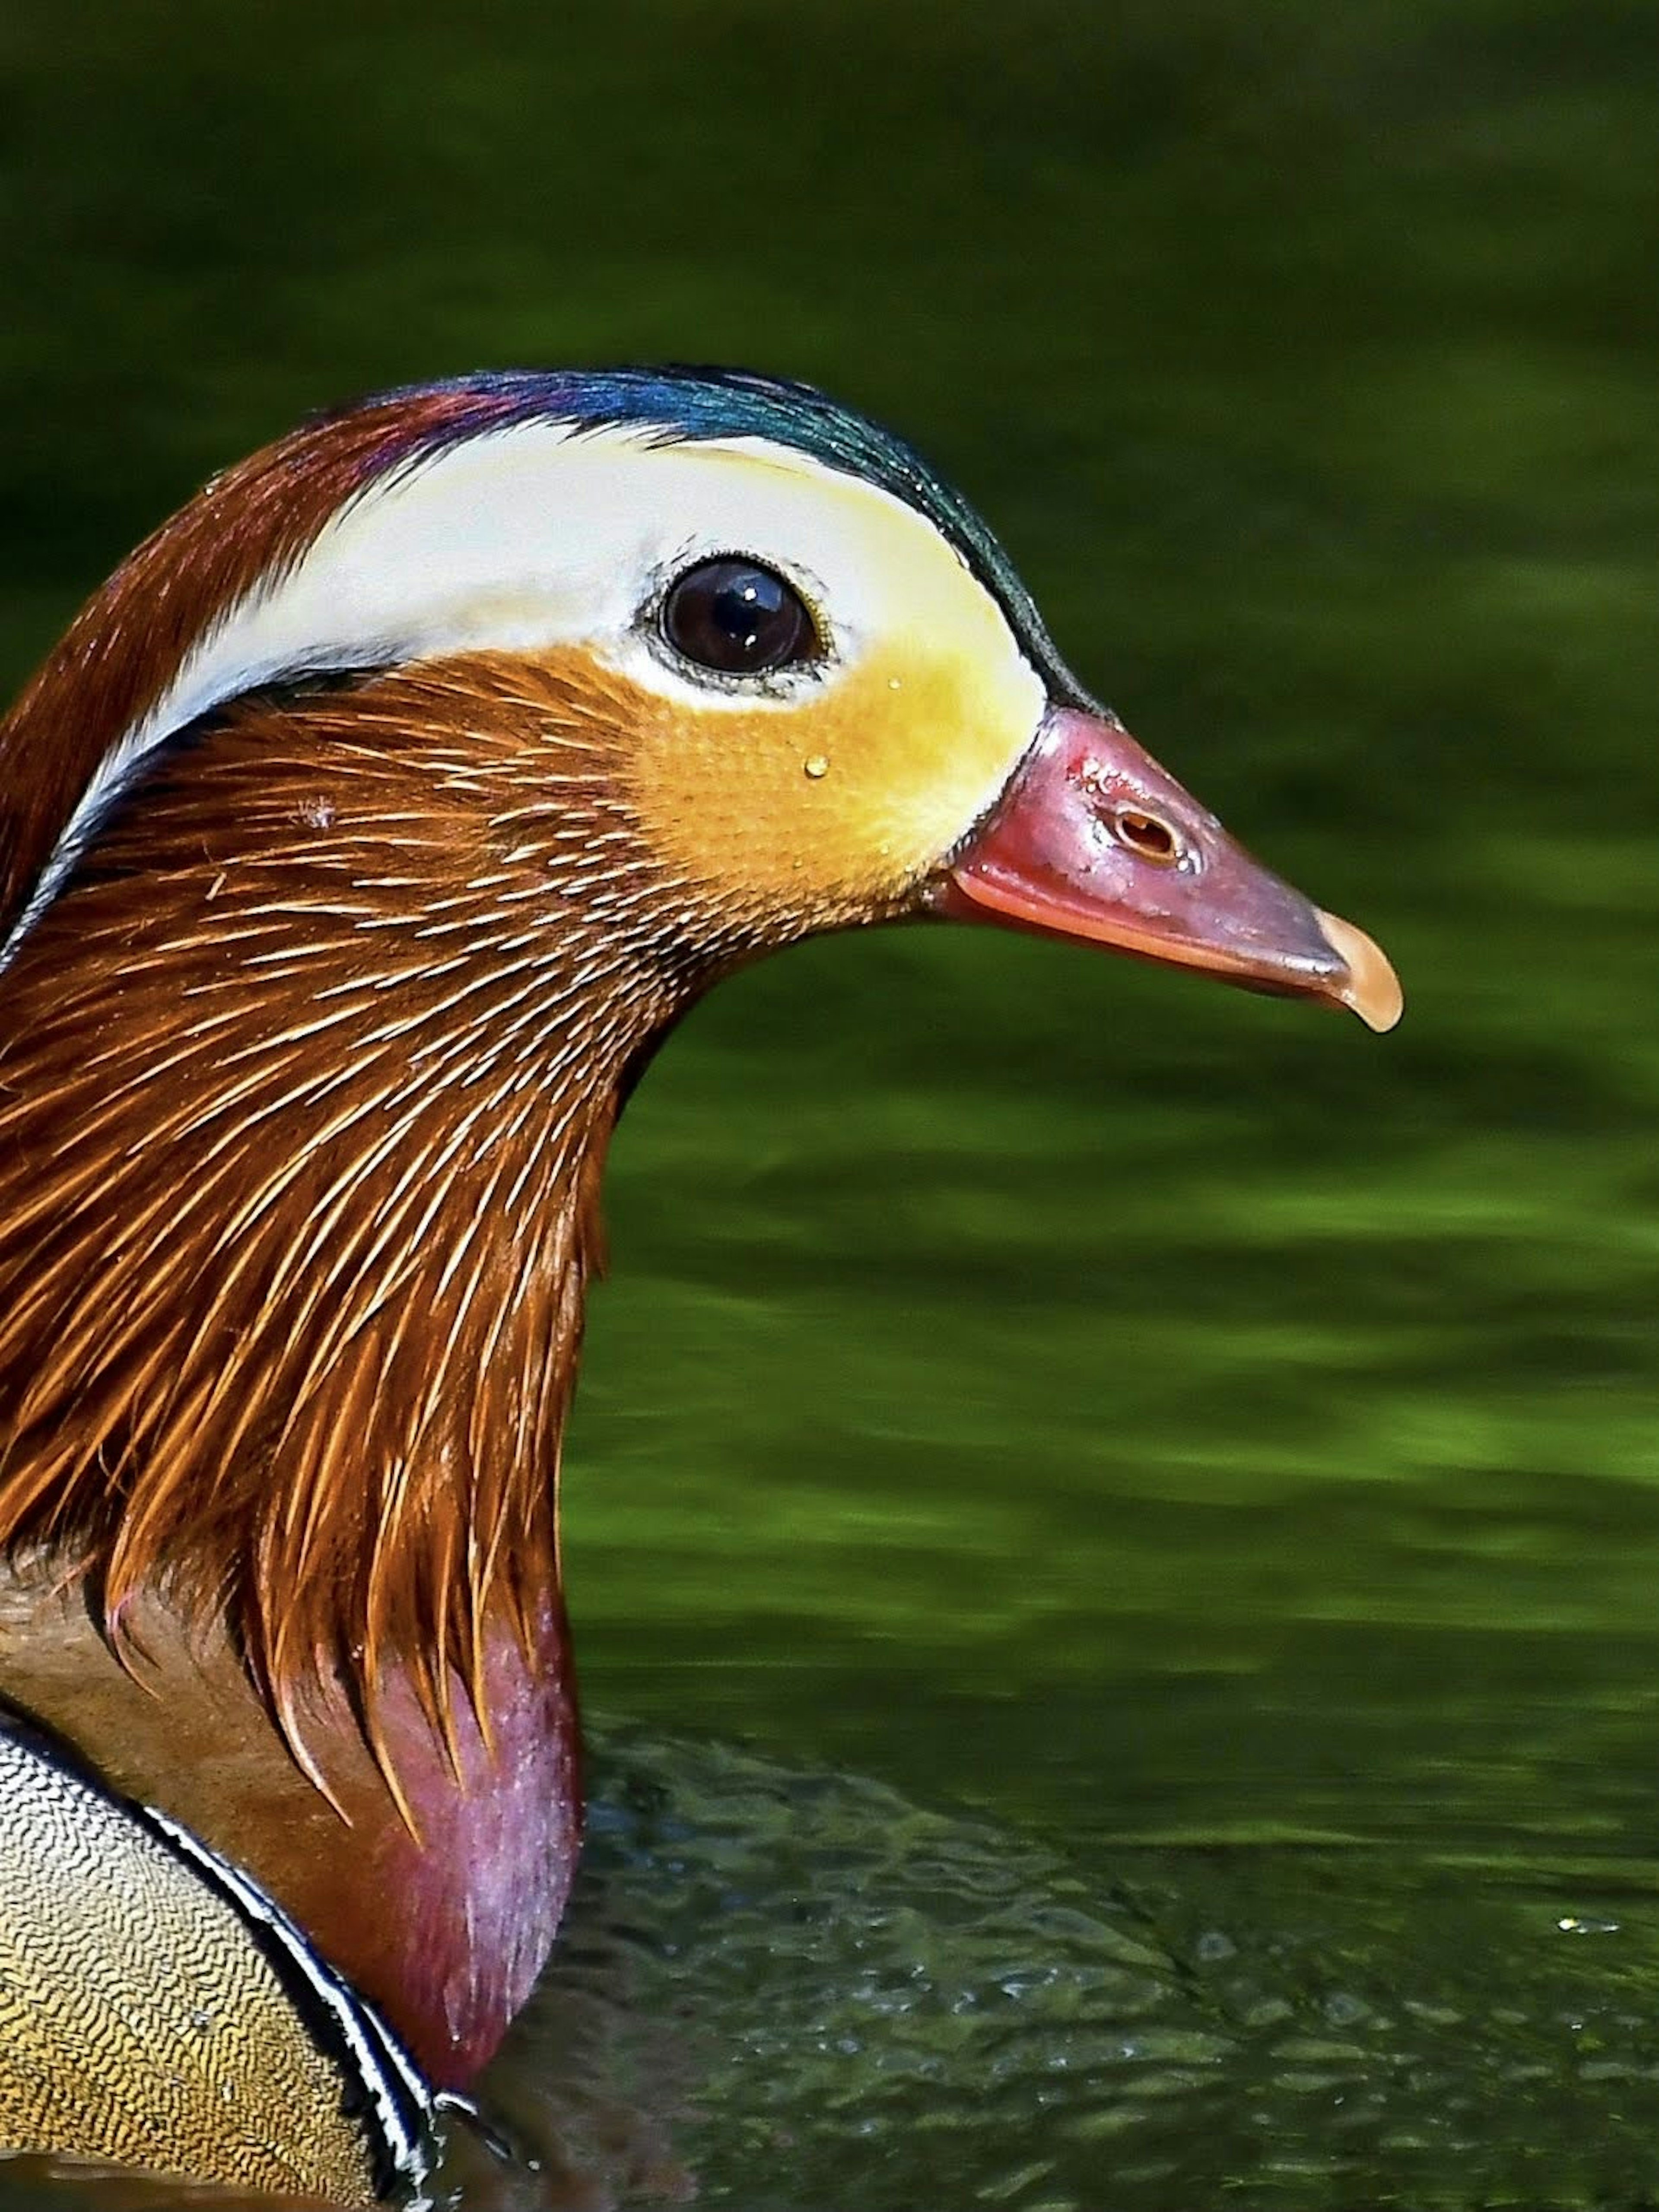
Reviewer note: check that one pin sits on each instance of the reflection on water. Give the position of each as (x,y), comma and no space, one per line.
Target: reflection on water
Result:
(847,2000)
(1220,1448)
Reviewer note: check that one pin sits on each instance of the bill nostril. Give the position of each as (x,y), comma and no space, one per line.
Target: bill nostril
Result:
(1145,835)
(1137,828)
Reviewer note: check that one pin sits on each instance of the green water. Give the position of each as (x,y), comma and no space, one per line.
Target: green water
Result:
(1165,1484)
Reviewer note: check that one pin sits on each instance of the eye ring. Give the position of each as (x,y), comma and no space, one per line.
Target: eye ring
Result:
(736,617)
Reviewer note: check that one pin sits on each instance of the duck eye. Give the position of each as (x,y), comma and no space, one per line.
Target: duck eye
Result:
(738,617)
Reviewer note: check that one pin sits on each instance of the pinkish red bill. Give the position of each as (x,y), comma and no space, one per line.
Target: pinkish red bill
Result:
(1092,839)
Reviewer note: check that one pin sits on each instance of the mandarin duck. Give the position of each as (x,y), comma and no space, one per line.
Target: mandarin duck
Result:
(361,840)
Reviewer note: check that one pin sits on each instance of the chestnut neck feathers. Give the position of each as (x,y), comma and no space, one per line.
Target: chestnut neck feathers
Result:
(311,1071)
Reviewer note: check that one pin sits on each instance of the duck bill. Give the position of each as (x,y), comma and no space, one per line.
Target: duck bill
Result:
(1092,839)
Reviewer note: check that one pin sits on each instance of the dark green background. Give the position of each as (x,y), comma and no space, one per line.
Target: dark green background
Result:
(1219,1444)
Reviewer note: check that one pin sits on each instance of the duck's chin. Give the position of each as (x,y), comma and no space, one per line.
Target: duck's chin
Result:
(1092,840)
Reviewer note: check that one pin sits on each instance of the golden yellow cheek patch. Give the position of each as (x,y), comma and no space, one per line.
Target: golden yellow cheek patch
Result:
(842,793)
(845,797)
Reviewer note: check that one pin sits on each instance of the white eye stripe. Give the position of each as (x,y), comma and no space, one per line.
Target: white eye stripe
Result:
(532,537)
(544,535)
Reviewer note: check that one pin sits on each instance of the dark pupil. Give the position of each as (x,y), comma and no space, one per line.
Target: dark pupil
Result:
(733,616)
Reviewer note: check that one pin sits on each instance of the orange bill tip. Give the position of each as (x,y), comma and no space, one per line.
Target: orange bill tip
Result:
(1372,989)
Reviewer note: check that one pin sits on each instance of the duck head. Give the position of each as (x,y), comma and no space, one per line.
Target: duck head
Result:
(364,832)
(814,691)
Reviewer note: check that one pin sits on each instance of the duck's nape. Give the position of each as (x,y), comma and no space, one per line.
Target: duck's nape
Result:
(363,838)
